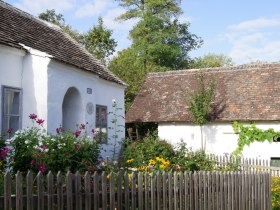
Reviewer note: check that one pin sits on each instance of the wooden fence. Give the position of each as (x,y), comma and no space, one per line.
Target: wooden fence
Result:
(246,164)
(198,190)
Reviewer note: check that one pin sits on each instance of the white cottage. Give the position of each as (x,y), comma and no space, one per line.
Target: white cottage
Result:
(46,72)
(246,93)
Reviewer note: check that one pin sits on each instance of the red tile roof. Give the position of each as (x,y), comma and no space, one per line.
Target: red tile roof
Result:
(244,93)
(18,27)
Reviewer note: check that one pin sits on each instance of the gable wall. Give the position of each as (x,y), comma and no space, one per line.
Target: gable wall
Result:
(61,77)
(220,138)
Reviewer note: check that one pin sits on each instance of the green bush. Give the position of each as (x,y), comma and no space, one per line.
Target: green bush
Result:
(33,149)
(275,188)
(154,154)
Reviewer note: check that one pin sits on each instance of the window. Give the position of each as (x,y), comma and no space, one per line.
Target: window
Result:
(275,161)
(11,106)
(101,124)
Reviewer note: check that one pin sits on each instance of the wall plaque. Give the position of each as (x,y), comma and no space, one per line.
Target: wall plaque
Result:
(89,108)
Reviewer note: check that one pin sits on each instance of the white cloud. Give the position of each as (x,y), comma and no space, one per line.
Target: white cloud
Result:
(110,20)
(256,24)
(95,8)
(38,6)
(254,40)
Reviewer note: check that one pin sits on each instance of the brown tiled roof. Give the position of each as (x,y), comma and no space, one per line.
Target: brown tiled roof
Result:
(244,93)
(18,27)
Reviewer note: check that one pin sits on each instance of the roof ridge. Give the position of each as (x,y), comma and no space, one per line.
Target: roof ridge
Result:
(248,66)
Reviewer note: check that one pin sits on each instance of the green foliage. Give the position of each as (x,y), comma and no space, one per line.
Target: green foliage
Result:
(275,189)
(159,42)
(201,100)
(211,61)
(149,148)
(249,134)
(51,16)
(98,41)
(152,154)
(128,66)
(33,149)
(159,37)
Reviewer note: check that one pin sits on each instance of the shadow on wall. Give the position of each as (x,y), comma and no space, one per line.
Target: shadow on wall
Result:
(71,109)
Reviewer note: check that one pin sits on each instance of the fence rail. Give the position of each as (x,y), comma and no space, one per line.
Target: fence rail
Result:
(172,190)
(246,164)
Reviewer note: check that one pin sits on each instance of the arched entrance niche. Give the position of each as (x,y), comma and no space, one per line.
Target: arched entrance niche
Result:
(71,109)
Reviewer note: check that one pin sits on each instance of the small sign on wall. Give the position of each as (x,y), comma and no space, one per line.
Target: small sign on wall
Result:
(89,90)
(89,108)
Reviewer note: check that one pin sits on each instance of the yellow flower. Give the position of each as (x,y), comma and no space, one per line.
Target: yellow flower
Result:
(130,160)
(152,162)
(108,176)
(162,166)
(129,176)
(159,159)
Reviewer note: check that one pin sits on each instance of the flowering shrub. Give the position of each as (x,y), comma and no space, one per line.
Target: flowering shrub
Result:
(34,149)
(154,154)
(275,188)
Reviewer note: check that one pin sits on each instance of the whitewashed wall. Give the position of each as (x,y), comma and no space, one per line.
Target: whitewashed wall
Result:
(220,138)
(61,77)
(45,82)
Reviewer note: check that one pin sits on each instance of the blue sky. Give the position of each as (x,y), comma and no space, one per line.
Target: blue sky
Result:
(246,30)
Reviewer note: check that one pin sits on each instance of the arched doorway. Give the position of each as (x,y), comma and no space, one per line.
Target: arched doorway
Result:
(71,109)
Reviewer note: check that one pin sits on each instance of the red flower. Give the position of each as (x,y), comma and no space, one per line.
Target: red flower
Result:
(3,153)
(44,146)
(82,126)
(40,121)
(77,133)
(10,130)
(33,116)
(42,167)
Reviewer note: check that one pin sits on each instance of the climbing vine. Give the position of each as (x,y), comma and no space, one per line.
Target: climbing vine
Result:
(250,133)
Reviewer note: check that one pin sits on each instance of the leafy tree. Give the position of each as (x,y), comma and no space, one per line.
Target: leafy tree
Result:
(98,41)
(51,16)
(130,68)
(210,61)
(159,37)
(200,103)
(159,42)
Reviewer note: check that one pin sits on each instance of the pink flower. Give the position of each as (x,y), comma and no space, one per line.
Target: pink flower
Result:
(59,130)
(40,121)
(78,147)
(10,130)
(33,116)
(32,163)
(44,146)
(42,167)
(77,133)
(93,133)
(82,126)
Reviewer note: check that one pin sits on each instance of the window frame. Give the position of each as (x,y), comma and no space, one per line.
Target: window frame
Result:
(98,109)
(13,89)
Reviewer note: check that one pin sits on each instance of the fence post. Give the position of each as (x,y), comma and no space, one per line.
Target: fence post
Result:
(29,190)
(50,191)
(40,189)
(59,191)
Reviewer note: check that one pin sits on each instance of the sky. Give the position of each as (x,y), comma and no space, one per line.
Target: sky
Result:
(245,30)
